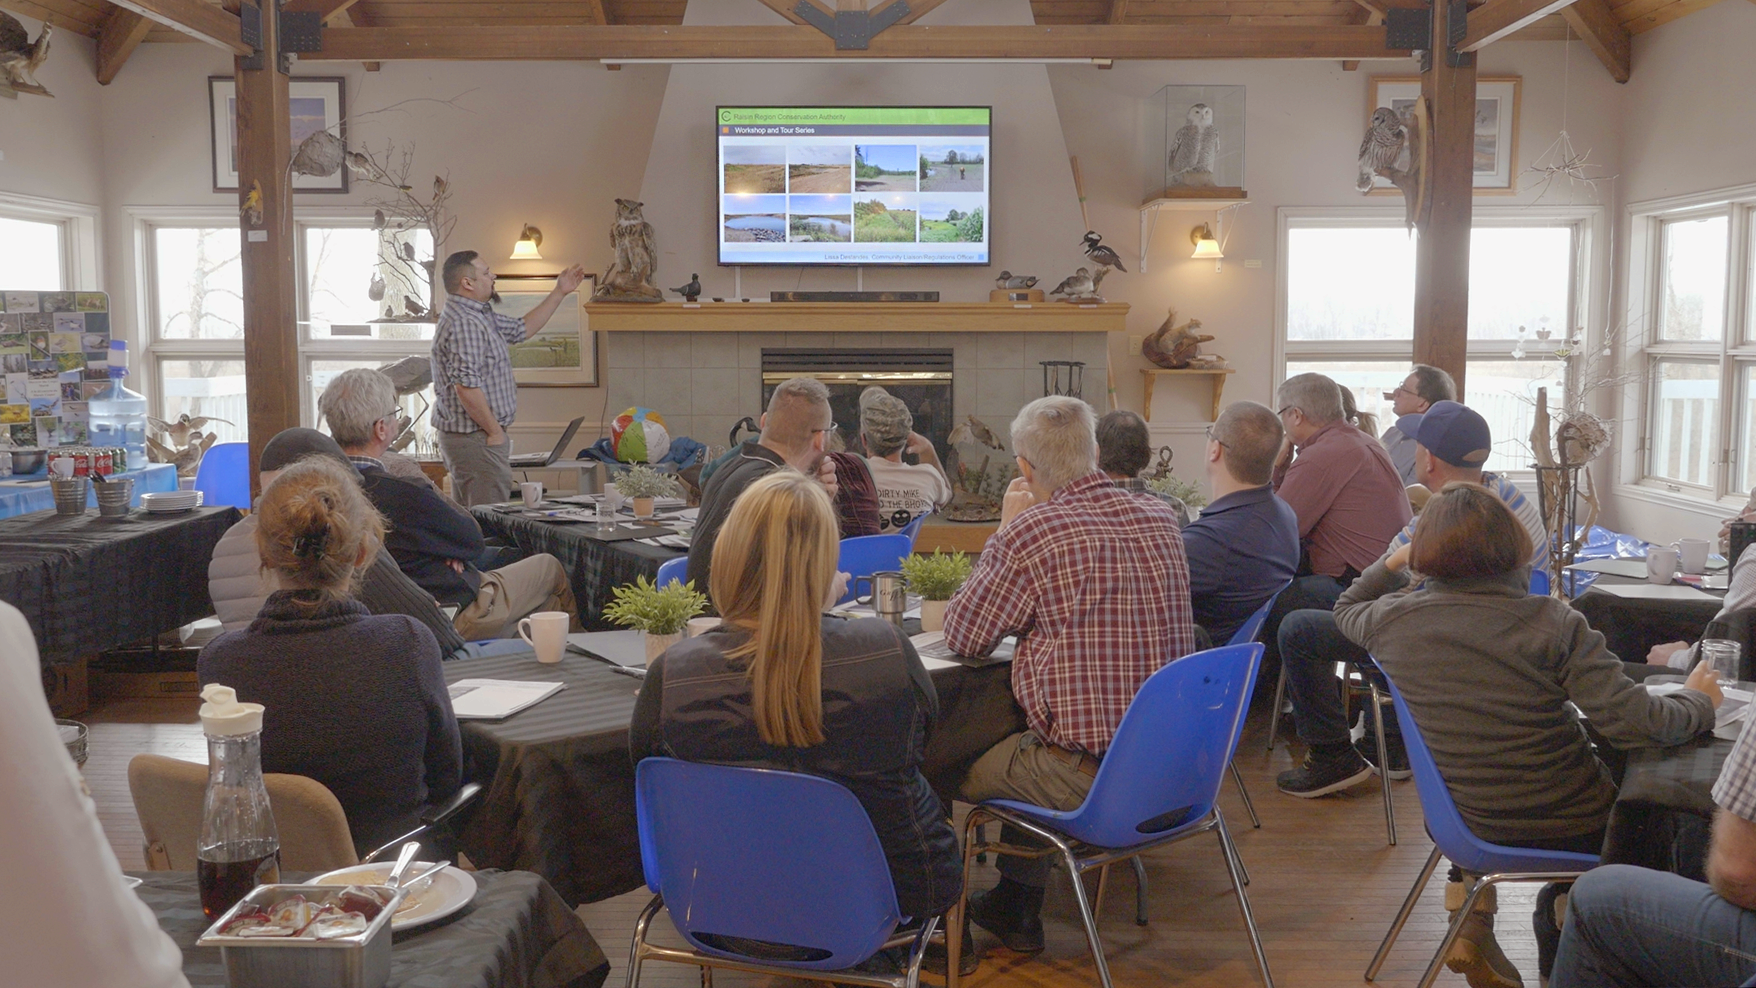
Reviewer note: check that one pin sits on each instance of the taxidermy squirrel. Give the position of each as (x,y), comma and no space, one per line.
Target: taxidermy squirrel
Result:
(1172,346)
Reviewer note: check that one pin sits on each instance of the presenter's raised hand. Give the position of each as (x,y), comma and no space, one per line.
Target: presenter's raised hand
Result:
(569,279)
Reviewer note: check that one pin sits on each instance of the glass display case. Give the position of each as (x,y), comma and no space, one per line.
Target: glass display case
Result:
(1194,143)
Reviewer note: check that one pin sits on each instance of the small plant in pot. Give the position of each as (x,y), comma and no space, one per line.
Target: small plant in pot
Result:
(935,578)
(641,483)
(661,613)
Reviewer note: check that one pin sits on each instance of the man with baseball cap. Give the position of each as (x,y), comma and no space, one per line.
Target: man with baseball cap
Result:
(906,491)
(1452,442)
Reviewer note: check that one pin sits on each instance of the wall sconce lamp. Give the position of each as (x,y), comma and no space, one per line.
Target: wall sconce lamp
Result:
(529,239)
(1206,246)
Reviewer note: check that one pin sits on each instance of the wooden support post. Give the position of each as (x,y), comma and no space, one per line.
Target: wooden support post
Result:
(271,349)
(1441,321)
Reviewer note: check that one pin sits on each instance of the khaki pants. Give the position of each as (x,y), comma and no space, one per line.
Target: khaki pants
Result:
(1026,768)
(480,473)
(516,591)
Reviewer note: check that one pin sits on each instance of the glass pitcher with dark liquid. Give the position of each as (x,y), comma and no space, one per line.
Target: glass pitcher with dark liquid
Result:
(238,848)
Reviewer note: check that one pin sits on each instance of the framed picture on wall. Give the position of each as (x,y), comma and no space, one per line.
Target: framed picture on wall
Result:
(565,353)
(1496,145)
(317,103)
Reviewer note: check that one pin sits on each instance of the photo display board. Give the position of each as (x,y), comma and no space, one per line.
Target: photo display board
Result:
(854,185)
(54,355)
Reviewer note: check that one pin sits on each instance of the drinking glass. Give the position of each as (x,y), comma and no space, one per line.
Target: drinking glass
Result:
(1723,654)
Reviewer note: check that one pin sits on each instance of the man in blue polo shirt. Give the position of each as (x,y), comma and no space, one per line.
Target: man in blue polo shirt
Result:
(1245,545)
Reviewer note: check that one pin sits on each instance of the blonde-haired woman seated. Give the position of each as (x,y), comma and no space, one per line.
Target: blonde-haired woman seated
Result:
(354,701)
(781,684)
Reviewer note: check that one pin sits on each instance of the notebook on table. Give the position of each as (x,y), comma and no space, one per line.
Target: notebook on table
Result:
(496,699)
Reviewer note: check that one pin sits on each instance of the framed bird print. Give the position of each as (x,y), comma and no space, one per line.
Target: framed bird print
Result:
(564,354)
(316,103)
(1496,138)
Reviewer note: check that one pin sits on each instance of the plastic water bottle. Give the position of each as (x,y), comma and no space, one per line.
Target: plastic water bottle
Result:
(118,415)
(239,848)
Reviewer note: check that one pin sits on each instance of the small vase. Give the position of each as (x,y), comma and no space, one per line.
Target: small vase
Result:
(643,508)
(656,644)
(932,615)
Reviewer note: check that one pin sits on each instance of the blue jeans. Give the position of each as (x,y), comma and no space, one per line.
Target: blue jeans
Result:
(1304,592)
(1629,927)
(1310,646)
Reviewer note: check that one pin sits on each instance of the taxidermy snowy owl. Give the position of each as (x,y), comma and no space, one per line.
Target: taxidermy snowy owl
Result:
(1194,148)
(1382,146)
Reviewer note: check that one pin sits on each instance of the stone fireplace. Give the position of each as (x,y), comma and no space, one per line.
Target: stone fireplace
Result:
(922,378)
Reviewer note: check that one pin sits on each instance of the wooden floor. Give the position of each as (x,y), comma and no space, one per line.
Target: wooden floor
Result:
(1324,885)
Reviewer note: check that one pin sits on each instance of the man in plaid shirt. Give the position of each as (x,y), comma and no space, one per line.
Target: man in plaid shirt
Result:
(474,395)
(1093,581)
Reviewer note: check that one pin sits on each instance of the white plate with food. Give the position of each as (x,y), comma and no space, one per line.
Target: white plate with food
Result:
(428,900)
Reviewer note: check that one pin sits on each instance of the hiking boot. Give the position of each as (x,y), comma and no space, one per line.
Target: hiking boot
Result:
(1325,771)
(1393,749)
(1012,912)
(1475,953)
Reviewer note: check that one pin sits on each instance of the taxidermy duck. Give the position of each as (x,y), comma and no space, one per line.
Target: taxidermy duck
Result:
(1173,346)
(20,58)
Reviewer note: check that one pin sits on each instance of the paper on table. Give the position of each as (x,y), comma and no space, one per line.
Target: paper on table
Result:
(1654,591)
(934,663)
(492,699)
(625,648)
(931,645)
(1634,569)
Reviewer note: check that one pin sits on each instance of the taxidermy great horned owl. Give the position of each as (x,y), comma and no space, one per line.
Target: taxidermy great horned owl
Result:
(19,58)
(1381,147)
(1194,148)
(636,256)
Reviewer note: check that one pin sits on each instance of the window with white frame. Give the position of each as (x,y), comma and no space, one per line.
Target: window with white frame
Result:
(1348,311)
(347,277)
(47,245)
(1691,300)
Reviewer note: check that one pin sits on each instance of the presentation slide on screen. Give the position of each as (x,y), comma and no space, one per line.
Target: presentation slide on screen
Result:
(853,185)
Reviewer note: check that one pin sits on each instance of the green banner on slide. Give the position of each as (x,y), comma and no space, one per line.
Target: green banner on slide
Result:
(829,116)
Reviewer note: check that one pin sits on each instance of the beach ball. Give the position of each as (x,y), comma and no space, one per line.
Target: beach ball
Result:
(639,436)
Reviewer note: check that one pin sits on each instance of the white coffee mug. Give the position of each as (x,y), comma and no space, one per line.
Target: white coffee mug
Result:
(1661,564)
(699,626)
(1692,554)
(545,631)
(532,492)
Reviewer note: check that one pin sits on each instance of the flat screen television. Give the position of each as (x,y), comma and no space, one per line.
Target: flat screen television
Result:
(854,184)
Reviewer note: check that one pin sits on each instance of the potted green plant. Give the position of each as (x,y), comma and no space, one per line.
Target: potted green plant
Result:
(641,483)
(935,578)
(661,613)
(1183,490)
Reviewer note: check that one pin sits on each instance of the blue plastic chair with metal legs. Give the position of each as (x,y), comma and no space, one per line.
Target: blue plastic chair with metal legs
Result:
(913,530)
(1247,633)
(223,478)
(864,555)
(1159,782)
(673,569)
(1494,863)
(785,864)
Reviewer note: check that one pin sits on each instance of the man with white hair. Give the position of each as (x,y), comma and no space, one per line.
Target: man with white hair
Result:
(435,543)
(1093,581)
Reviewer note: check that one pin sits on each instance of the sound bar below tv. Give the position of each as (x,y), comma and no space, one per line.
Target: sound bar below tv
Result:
(853,296)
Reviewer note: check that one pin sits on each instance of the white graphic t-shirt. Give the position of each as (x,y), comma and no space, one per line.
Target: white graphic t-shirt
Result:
(906,491)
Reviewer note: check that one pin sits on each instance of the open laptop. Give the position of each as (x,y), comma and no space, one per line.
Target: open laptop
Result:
(530,461)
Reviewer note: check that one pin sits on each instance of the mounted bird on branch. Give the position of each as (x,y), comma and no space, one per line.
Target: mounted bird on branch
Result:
(20,57)
(1395,148)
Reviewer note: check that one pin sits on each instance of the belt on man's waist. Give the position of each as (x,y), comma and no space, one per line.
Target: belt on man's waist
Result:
(1085,764)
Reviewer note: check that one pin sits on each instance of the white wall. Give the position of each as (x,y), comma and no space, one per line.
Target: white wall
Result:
(54,147)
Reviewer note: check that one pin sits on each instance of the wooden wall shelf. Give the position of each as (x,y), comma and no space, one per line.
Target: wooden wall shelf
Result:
(857,317)
(1218,375)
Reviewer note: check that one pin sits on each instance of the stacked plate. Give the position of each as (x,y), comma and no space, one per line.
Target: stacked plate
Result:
(170,502)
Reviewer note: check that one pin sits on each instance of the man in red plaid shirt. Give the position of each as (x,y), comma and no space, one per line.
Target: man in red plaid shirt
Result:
(1093,581)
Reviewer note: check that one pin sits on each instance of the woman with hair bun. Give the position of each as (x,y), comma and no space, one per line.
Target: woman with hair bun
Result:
(354,701)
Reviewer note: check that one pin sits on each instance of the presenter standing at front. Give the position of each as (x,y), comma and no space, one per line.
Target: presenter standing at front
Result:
(475,396)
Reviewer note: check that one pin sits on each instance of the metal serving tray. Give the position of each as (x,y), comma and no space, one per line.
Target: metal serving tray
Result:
(361,961)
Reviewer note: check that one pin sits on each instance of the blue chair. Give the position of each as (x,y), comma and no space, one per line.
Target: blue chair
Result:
(224,476)
(1158,783)
(789,861)
(913,530)
(864,555)
(1495,863)
(672,570)
(1539,582)
(1248,632)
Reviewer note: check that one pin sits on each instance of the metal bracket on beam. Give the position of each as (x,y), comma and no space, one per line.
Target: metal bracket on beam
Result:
(250,33)
(1409,28)
(301,31)
(1457,14)
(852,30)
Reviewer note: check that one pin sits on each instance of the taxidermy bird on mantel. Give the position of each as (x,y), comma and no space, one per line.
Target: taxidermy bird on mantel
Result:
(20,58)
(1075,285)
(692,290)
(1100,254)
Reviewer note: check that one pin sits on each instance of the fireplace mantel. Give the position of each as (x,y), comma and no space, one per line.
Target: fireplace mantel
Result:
(854,317)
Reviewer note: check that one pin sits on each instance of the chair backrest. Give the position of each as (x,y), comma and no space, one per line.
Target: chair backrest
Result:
(1445,824)
(913,530)
(1539,582)
(1165,765)
(223,477)
(673,570)
(1252,625)
(756,854)
(864,555)
(168,794)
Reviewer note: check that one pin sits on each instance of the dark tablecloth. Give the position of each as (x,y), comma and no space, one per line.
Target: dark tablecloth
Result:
(559,796)
(87,583)
(595,568)
(1664,809)
(516,934)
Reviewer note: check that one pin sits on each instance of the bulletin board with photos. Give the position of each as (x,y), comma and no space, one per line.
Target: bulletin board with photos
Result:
(55,354)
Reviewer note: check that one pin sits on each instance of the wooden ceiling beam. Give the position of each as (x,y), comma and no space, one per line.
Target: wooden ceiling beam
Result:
(326,10)
(201,21)
(1118,13)
(1598,27)
(1128,41)
(64,21)
(595,13)
(1498,18)
(920,8)
(785,8)
(118,36)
